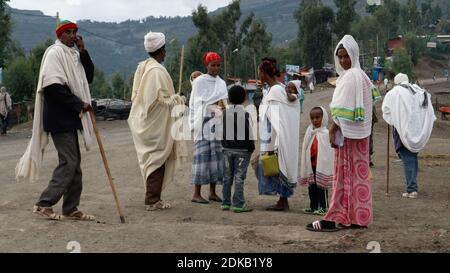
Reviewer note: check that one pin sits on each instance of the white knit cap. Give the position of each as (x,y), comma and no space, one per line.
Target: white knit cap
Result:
(154,41)
(401,78)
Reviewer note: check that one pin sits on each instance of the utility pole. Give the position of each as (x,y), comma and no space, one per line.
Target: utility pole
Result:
(225,64)
(254,63)
(125,82)
(377,47)
(57,18)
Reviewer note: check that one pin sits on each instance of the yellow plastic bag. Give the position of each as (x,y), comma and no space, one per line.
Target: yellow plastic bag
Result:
(270,165)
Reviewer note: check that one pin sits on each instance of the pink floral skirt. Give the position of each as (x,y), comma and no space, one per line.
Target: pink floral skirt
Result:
(351,200)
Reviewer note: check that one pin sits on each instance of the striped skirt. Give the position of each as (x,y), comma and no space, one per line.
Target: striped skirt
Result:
(208,162)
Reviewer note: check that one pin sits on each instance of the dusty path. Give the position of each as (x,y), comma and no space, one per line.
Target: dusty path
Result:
(400,225)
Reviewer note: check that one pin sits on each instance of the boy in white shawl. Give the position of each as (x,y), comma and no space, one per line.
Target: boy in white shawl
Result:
(317,162)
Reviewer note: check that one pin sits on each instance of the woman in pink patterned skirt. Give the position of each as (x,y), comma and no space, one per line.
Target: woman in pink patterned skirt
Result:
(351,109)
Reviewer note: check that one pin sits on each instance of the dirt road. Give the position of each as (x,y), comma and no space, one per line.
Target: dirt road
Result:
(400,225)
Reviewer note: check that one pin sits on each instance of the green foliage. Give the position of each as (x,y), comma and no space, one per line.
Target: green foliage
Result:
(21,75)
(19,79)
(5,32)
(345,15)
(119,86)
(99,87)
(243,43)
(410,16)
(415,46)
(402,63)
(315,22)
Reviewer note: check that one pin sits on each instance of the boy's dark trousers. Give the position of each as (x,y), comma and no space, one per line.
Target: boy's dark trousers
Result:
(317,195)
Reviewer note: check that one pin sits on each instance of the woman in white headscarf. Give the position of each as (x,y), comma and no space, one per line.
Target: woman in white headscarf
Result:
(279,134)
(351,111)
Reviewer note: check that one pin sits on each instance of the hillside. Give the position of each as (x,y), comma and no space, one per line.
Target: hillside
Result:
(118,46)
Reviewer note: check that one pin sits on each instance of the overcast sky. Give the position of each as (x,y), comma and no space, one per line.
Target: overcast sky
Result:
(115,10)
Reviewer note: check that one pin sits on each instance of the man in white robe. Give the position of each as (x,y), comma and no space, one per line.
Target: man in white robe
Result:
(151,122)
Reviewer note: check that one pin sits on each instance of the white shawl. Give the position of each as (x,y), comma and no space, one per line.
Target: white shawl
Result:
(152,122)
(403,110)
(351,107)
(284,118)
(325,156)
(206,90)
(60,65)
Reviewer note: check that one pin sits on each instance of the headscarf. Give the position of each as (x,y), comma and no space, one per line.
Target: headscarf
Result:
(63,26)
(211,57)
(298,85)
(351,107)
(154,41)
(324,169)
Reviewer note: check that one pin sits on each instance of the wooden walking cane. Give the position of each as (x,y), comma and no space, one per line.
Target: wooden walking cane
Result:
(105,163)
(388,160)
(181,70)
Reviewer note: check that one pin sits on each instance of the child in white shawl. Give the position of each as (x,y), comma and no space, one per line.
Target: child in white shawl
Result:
(317,162)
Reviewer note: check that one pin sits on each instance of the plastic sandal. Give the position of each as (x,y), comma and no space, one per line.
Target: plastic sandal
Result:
(322,226)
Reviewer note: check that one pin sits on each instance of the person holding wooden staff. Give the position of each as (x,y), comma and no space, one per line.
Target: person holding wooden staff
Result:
(409,110)
(62,100)
(151,122)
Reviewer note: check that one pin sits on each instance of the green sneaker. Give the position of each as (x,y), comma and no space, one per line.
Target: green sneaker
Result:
(308,211)
(225,207)
(321,212)
(245,208)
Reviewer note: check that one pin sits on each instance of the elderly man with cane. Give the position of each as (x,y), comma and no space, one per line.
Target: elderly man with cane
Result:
(62,100)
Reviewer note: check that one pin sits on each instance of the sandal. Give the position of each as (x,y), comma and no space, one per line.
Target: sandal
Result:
(352,226)
(47,212)
(80,216)
(322,226)
(215,199)
(160,205)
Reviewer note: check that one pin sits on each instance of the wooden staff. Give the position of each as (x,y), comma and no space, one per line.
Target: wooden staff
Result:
(181,70)
(105,163)
(387,159)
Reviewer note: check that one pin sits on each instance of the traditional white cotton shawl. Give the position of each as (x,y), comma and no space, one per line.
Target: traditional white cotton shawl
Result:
(351,107)
(405,111)
(152,122)
(5,103)
(284,118)
(325,156)
(60,65)
(206,90)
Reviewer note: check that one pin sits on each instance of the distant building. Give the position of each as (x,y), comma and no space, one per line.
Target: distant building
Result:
(393,44)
